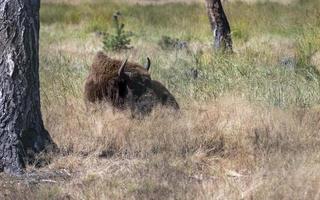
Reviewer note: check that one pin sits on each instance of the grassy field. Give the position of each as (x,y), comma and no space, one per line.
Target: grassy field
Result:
(249,125)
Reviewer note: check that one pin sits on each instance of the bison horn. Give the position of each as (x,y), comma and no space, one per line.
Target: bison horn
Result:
(121,69)
(148,64)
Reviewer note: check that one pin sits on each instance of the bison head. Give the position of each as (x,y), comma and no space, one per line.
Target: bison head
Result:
(130,87)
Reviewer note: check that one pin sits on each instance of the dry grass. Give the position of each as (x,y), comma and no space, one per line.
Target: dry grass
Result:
(224,149)
(284,2)
(143,2)
(71,2)
(315,60)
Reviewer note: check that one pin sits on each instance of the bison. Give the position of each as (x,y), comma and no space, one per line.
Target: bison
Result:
(125,85)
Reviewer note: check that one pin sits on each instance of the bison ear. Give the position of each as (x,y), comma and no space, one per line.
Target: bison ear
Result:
(148,64)
(121,69)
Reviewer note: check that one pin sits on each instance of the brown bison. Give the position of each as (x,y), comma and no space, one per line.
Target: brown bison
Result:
(125,85)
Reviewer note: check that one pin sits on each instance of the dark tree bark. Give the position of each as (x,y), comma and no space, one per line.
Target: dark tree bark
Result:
(219,25)
(22,133)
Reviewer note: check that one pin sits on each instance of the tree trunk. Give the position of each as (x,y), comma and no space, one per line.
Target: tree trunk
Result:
(219,25)
(22,134)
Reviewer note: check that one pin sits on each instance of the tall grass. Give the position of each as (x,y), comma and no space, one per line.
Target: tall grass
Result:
(264,35)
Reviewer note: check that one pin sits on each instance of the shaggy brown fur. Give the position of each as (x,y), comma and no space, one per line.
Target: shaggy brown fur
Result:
(106,67)
(132,88)
(103,82)
(164,96)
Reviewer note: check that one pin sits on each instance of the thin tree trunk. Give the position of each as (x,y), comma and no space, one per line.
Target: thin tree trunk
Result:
(219,25)
(22,134)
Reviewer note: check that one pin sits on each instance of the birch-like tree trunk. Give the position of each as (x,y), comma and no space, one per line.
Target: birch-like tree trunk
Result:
(219,26)
(22,133)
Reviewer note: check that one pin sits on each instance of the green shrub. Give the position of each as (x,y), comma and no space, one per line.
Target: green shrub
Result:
(120,39)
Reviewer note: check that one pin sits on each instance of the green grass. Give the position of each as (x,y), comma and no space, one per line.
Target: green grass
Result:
(188,21)
(254,72)
(275,85)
